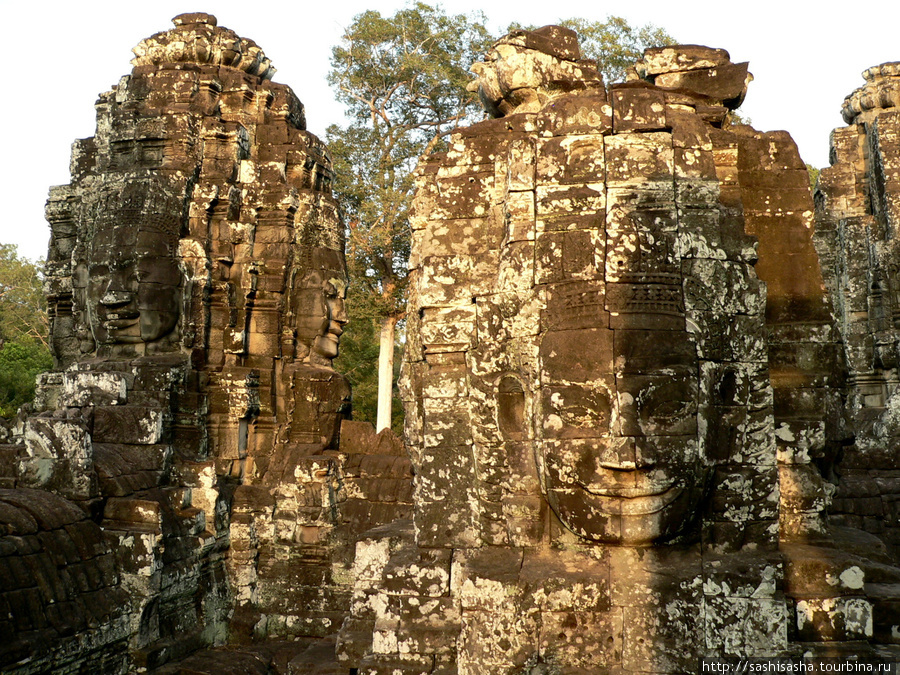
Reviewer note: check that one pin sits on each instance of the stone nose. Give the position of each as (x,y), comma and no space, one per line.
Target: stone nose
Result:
(119,288)
(477,69)
(339,312)
(626,420)
(623,453)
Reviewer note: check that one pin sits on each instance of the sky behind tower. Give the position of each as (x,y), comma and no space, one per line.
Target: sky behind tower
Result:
(804,59)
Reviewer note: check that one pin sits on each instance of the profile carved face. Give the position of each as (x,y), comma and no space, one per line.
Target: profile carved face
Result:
(510,77)
(487,85)
(523,70)
(320,313)
(135,284)
(620,455)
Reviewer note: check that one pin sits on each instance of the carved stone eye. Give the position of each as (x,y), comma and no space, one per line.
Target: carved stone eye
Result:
(669,408)
(727,389)
(593,411)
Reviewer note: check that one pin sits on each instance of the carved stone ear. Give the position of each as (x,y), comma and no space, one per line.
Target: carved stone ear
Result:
(511,408)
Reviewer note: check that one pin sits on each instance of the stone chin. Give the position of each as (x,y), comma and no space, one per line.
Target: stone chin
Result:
(113,330)
(156,325)
(488,88)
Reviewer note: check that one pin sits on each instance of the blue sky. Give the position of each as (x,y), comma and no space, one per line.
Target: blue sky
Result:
(61,55)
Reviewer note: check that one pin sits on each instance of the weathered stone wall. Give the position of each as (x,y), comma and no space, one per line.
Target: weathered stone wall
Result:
(646,423)
(857,213)
(196,280)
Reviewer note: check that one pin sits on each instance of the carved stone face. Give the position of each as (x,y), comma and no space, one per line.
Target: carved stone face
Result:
(509,78)
(320,312)
(518,75)
(134,285)
(487,85)
(619,453)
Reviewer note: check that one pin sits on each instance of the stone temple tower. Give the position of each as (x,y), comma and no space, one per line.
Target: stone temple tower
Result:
(196,281)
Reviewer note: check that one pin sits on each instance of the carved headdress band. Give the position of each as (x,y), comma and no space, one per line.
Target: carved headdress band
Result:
(197,39)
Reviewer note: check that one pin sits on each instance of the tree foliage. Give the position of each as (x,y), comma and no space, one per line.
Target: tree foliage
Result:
(24,349)
(813,176)
(23,308)
(20,362)
(403,81)
(612,43)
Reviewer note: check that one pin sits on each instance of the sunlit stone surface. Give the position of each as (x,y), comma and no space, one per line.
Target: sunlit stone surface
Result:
(650,385)
(196,283)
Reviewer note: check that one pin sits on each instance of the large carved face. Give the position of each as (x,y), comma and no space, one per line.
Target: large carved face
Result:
(318,306)
(619,453)
(522,70)
(134,287)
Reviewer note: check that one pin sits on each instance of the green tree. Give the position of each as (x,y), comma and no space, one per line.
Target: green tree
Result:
(23,308)
(813,176)
(24,348)
(402,79)
(614,44)
(20,362)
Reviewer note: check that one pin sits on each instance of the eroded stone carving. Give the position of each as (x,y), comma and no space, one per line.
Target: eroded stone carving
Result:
(196,283)
(641,434)
(623,437)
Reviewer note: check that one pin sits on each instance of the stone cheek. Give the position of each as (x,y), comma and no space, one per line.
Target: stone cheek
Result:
(317,306)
